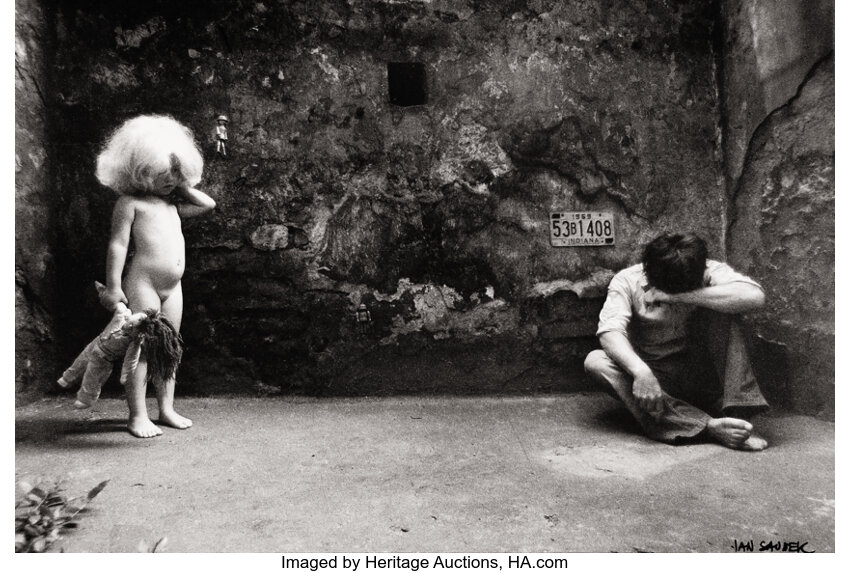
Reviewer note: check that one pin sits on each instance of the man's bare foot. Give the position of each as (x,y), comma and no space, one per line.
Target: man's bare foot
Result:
(143,428)
(754,443)
(175,420)
(731,432)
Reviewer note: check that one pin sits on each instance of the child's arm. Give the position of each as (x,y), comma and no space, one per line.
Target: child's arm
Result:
(116,254)
(193,202)
(119,307)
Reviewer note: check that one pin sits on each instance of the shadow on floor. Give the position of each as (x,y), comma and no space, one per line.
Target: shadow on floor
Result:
(64,433)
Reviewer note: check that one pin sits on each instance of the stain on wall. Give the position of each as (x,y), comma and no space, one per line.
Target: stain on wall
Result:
(435,215)
(782,224)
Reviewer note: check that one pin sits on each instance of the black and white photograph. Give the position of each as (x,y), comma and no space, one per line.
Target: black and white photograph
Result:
(477,285)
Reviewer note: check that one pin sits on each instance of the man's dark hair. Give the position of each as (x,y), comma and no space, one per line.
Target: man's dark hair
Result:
(675,263)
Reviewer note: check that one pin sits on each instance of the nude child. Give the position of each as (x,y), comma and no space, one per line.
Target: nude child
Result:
(153,163)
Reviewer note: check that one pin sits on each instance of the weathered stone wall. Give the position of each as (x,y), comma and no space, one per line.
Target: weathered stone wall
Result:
(433,216)
(35,278)
(769,47)
(782,229)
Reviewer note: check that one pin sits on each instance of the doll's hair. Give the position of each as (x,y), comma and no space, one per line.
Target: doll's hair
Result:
(147,151)
(162,346)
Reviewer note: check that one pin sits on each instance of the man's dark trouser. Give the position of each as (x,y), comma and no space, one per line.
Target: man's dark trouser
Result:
(712,379)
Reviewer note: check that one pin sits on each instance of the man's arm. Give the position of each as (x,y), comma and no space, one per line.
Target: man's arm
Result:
(730,298)
(646,389)
(614,322)
(193,202)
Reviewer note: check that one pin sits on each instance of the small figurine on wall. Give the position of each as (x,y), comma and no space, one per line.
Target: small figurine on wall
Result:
(221,135)
(364,317)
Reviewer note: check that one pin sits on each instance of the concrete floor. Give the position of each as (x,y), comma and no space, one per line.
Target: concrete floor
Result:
(562,473)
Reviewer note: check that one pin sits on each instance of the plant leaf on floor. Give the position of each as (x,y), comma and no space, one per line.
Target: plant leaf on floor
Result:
(43,511)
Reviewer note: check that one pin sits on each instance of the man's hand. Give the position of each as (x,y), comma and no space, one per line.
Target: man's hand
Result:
(647,390)
(655,296)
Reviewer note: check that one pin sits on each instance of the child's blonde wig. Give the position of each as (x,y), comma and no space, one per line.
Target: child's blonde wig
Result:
(147,151)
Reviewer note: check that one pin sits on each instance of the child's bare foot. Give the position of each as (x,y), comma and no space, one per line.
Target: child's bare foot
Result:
(175,420)
(736,434)
(143,428)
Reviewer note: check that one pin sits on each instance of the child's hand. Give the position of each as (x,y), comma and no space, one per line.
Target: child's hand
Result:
(193,202)
(110,297)
(180,194)
(121,308)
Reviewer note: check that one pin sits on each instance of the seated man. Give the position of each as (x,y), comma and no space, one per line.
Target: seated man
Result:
(676,383)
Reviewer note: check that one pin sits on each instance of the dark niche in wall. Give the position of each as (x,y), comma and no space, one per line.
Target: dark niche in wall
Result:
(407,83)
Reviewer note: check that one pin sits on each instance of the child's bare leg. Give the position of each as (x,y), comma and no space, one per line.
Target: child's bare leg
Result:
(141,296)
(139,423)
(167,415)
(172,308)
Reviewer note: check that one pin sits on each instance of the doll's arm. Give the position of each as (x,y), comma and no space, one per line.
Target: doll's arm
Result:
(116,255)
(193,202)
(131,360)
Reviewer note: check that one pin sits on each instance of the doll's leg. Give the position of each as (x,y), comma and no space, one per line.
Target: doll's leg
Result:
(172,308)
(97,373)
(141,296)
(76,370)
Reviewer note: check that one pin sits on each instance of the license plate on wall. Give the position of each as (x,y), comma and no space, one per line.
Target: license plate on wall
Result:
(581,229)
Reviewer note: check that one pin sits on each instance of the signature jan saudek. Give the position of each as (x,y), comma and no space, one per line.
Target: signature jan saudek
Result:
(773,546)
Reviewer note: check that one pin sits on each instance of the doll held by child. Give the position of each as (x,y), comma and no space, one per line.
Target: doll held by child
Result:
(127,337)
(152,162)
